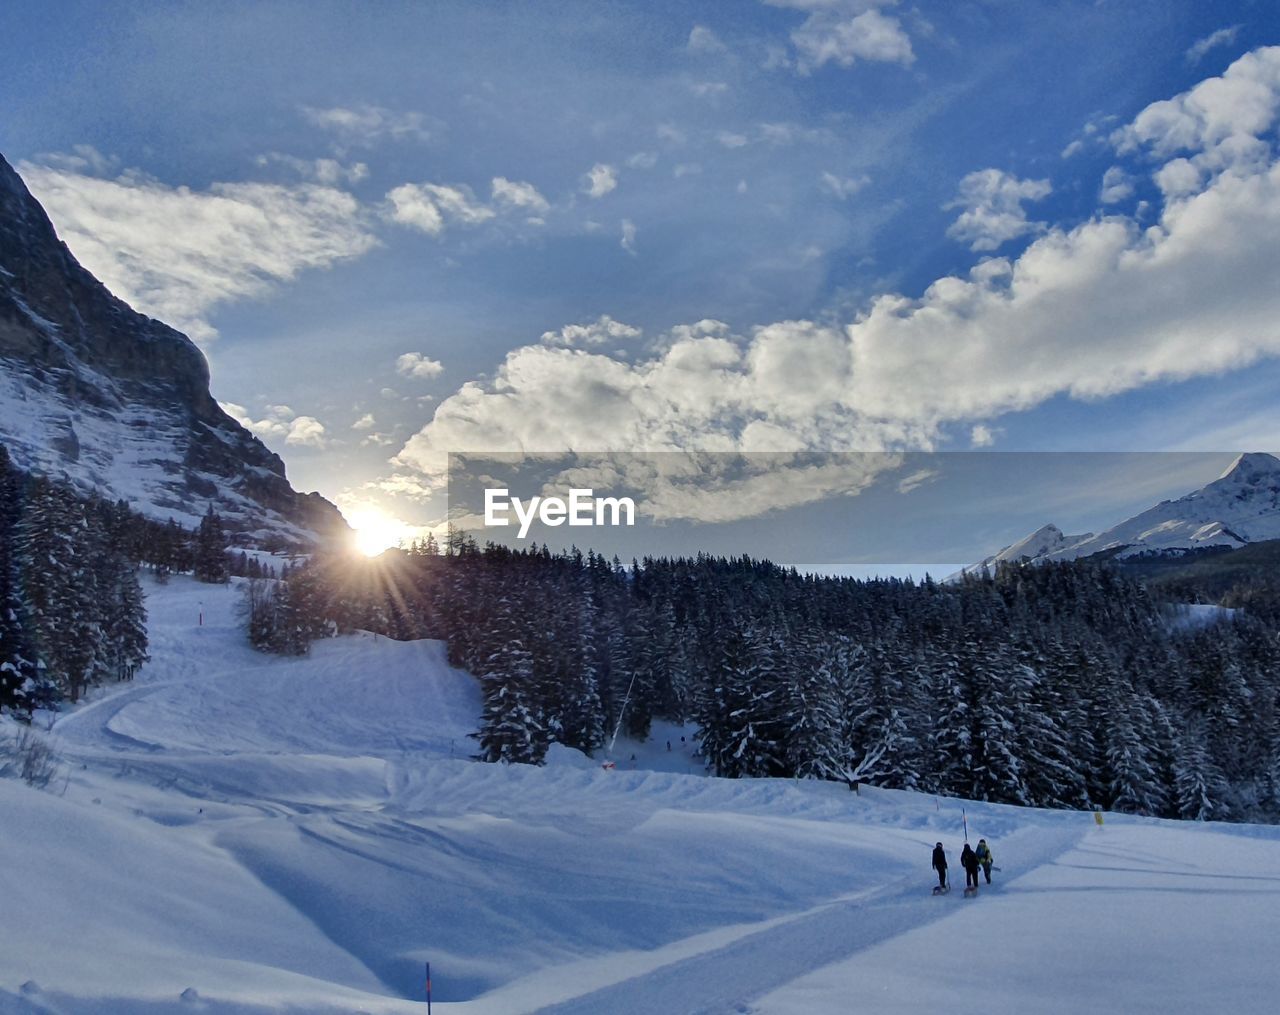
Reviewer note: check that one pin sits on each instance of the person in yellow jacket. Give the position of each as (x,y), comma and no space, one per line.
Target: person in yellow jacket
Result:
(985,858)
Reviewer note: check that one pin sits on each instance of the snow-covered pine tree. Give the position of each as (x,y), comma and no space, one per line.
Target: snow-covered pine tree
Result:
(810,711)
(56,587)
(512,727)
(211,563)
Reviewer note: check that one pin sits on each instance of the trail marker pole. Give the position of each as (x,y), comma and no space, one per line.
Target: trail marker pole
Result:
(428,988)
(965,818)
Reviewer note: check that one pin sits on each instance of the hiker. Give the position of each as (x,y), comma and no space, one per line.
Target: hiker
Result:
(983,853)
(969,861)
(940,865)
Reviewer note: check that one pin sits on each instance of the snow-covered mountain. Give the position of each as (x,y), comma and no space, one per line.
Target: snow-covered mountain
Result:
(1046,540)
(1239,507)
(118,403)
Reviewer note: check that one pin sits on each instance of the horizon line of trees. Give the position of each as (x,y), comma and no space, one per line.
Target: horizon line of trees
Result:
(1060,685)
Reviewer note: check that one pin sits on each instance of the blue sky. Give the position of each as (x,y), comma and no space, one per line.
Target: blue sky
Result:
(399,230)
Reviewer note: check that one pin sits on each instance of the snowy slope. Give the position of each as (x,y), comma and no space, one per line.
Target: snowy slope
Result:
(1241,506)
(265,835)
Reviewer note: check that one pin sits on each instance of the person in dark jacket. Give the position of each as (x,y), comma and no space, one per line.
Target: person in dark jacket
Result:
(983,853)
(940,865)
(969,861)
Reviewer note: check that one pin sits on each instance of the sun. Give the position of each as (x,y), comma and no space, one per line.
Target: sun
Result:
(376,531)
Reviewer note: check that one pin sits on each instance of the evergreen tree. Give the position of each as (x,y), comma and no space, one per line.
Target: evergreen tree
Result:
(211,563)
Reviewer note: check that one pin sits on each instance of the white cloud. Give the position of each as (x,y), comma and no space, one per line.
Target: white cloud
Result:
(628,236)
(306,431)
(280,421)
(1222,37)
(1074,148)
(1117,186)
(602,331)
(329,172)
(728,139)
(365,422)
(843,186)
(1220,119)
(1179,177)
(83,158)
(177,254)
(517,194)
(431,206)
(993,212)
(1088,312)
(983,436)
(704,40)
(599,180)
(917,479)
(845,31)
(364,124)
(642,160)
(414,364)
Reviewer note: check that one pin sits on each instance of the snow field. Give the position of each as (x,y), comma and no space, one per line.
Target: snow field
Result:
(269,835)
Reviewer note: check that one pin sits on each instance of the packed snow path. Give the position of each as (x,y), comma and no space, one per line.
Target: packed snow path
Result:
(243,835)
(728,978)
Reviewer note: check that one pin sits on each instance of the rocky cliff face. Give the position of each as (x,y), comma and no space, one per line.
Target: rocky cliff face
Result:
(118,403)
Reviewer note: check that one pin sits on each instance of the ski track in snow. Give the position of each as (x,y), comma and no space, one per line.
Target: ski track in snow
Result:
(727,979)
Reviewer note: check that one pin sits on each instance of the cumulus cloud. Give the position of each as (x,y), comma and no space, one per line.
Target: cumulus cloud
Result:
(365,422)
(628,242)
(176,254)
(993,213)
(280,421)
(1220,119)
(414,364)
(306,431)
(365,125)
(1107,306)
(429,207)
(982,436)
(599,180)
(1117,186)
(517,194)
(1222,37)
(602,331)
(846,31)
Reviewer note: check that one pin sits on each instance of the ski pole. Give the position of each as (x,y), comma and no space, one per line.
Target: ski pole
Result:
(428,988)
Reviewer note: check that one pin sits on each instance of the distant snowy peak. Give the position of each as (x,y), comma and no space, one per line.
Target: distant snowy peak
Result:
(1046,540)
(1239,507)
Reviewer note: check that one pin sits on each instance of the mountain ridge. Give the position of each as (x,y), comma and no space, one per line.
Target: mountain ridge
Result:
(1240,507)
(118,403)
